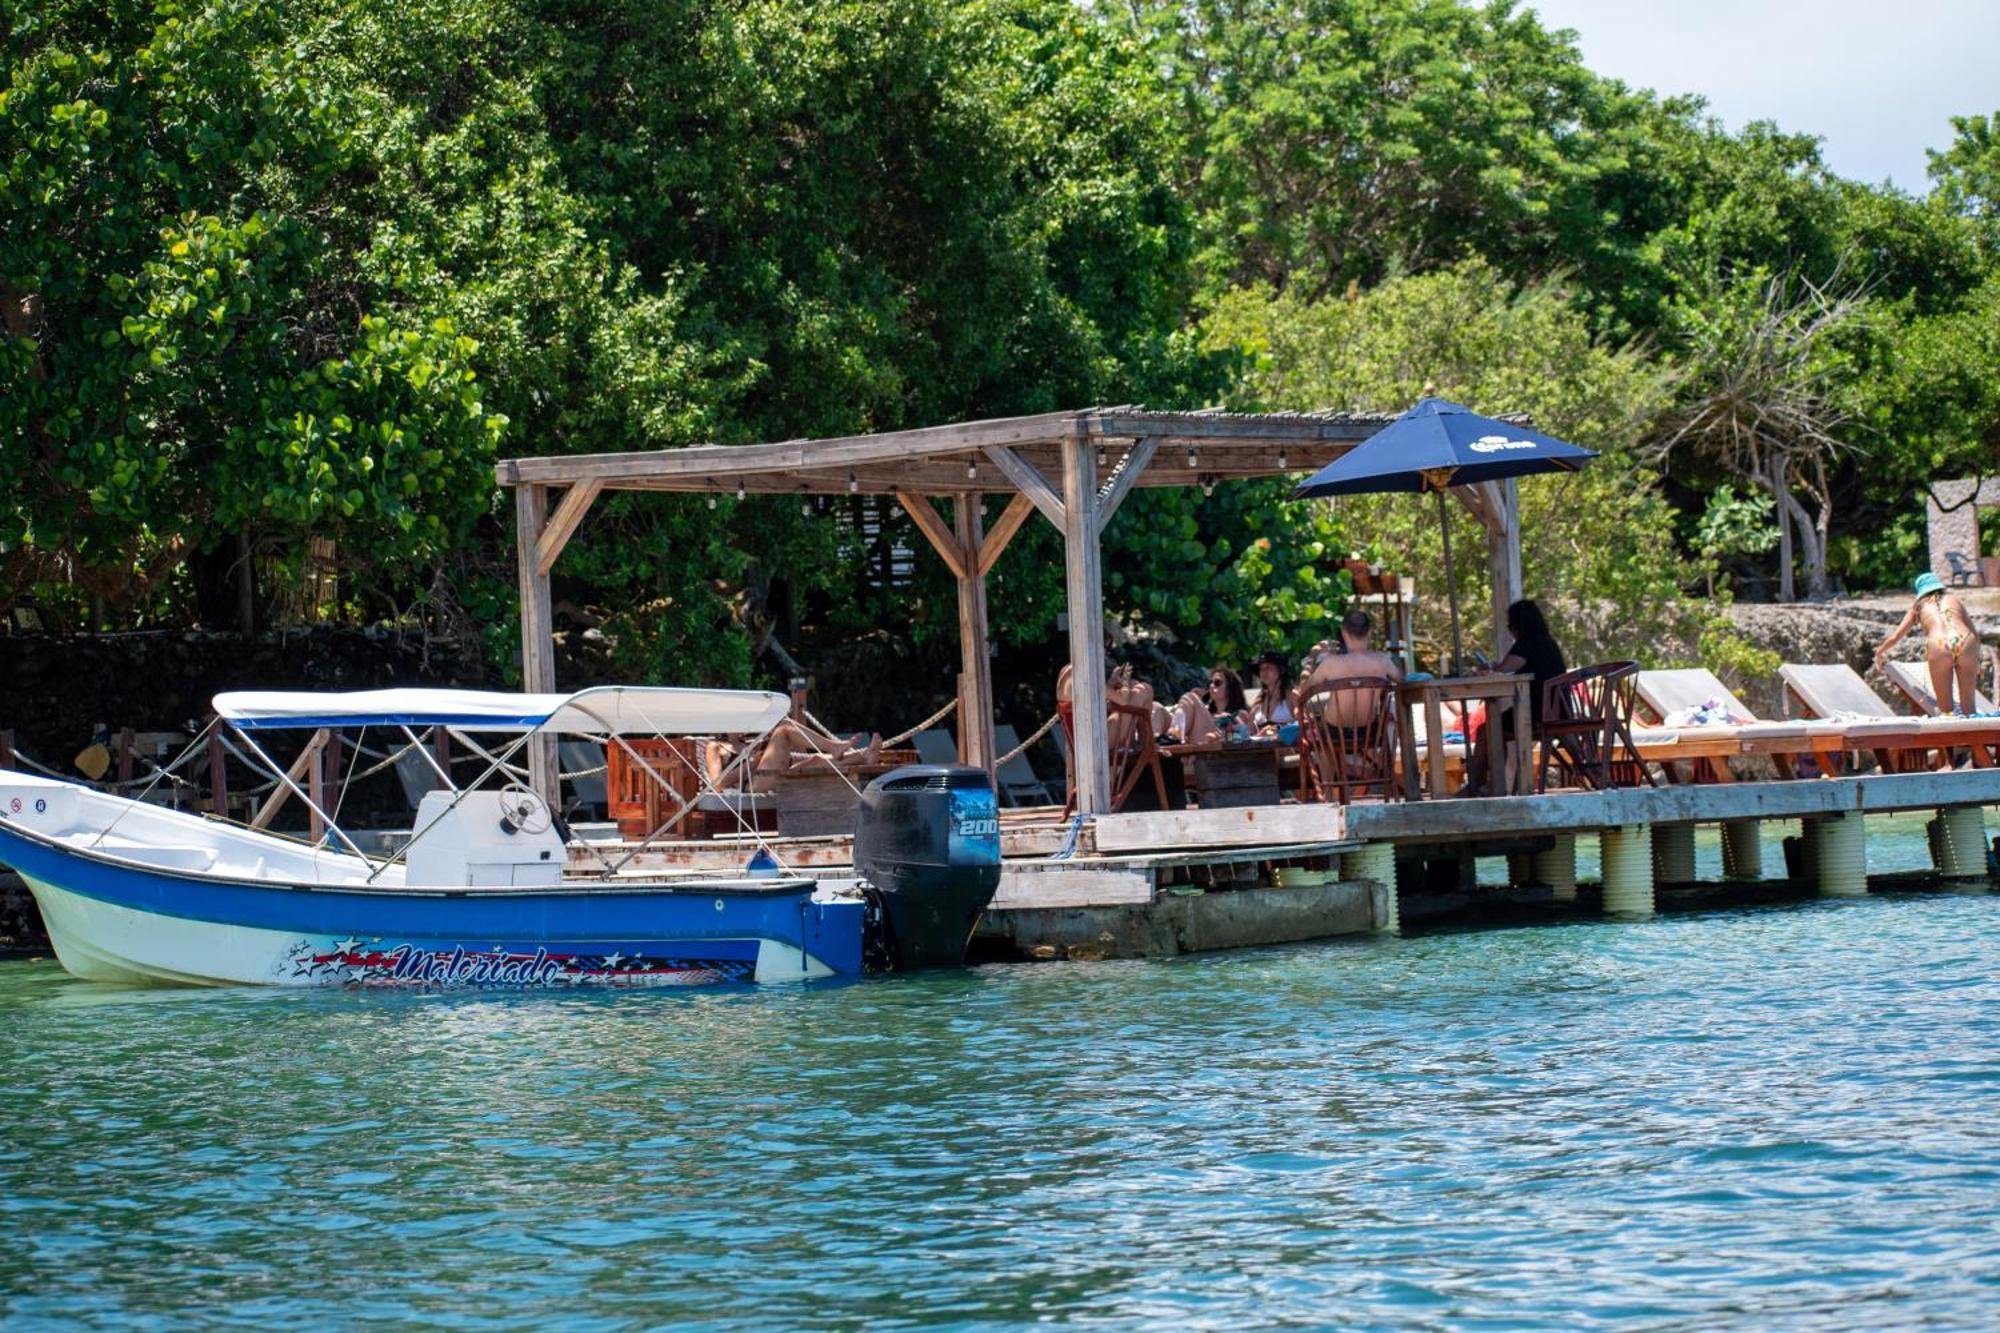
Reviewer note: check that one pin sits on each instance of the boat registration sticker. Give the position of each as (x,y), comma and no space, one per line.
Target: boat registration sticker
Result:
(15,805)
(41,806)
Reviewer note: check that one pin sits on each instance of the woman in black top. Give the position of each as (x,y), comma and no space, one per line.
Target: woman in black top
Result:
(1535,652)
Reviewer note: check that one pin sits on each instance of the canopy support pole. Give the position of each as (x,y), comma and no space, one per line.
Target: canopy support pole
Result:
(975,678)
(1503,557)
(538,630)
(1084,583)
(288,781)
(1450,587)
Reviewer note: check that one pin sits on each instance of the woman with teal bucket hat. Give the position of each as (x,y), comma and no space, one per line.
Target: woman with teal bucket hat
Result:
(1952,644)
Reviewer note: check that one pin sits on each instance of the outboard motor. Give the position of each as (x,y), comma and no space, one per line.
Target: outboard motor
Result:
(928,840)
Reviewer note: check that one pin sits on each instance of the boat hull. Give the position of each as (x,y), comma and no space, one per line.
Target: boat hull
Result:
(116,921)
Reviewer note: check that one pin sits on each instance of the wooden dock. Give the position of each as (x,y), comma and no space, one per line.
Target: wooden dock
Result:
(1166,882)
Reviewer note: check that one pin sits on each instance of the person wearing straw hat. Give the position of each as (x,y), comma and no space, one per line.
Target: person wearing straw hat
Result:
(1952,644)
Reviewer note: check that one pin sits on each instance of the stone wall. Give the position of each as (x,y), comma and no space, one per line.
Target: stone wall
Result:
(56,690)
(1956,529)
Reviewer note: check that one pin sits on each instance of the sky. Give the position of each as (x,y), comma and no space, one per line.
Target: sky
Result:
(1877,80)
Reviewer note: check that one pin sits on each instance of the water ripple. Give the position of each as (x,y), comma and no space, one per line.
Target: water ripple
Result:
(1755,1115)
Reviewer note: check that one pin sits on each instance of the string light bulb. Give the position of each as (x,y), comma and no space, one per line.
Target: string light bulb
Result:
(1194,458)
(852,484)
(1281,460)
(805,503)
(1101,455)
(711,499)
(971,470)
(740,491)
(1208,485)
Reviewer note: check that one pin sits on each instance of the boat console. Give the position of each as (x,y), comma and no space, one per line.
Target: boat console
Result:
(485,839)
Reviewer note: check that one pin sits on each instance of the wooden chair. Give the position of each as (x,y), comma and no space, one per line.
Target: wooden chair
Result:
(637,801)
(1130,763)
(1337,761)
(1585,734)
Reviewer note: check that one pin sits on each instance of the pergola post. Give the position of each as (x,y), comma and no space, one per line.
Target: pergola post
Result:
(1085,586)
(538,629)
(975,676)
(1503,555)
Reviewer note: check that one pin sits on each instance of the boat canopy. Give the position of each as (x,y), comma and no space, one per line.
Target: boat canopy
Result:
(604,710)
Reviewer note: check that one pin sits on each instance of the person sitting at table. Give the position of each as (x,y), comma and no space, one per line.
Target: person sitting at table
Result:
(1201,717)
(1534,651)
(1357,657)
(793,749)
(1121,686)
(1273,708)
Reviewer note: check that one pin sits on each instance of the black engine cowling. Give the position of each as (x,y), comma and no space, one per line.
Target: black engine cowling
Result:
(928,841)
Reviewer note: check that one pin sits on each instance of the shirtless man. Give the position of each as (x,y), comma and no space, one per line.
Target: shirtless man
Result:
(1347,709)
(791,748)
(1951,644)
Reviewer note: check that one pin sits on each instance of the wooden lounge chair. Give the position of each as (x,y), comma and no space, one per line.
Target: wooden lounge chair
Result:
(1585,734)
(1340,762)
(1707,749)
(1939,732)
(1837,693)
(1913,681)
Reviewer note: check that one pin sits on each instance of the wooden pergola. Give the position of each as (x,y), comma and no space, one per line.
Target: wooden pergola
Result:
(1073,468)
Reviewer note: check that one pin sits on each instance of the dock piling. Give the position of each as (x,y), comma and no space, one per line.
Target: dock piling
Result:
(1377,862)
(1840,855)
(1628,870)
(1673,854)
(1742,849)
(1556,867)
(1958,842)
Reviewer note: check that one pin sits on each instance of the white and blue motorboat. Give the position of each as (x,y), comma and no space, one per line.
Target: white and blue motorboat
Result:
(486,892)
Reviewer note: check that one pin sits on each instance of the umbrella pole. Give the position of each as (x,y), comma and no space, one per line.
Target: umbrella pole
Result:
(1450,588)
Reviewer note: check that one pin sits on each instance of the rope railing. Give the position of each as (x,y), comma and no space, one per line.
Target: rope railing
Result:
(1020,749)
(888,742)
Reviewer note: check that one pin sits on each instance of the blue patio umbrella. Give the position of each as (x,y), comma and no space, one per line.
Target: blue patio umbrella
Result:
(1436,445)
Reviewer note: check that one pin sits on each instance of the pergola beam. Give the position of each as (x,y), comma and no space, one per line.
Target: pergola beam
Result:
(538,630)
(1029,480)
(1090,752)
(563,523)
(933,527)
(1011,518)
(789,455)
(948,476)
(1129,471)
(975,676)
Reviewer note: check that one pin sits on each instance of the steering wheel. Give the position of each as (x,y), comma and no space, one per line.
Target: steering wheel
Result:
(522,811)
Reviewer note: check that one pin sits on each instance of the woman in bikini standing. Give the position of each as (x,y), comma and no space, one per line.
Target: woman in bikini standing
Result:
(1952,644)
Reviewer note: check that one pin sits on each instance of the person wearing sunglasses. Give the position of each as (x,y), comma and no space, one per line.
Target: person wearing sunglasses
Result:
(1215,713)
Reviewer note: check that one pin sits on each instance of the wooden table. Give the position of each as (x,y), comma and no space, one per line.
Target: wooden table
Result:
(1231,774)
(1431,696)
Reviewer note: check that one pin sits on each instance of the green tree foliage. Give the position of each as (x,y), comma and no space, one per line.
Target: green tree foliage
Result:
(1596,541)
(1968,172)
(293,269)
(192,352)
(1339,141)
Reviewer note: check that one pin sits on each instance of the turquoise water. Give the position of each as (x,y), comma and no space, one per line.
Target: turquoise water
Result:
(1785,1114)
